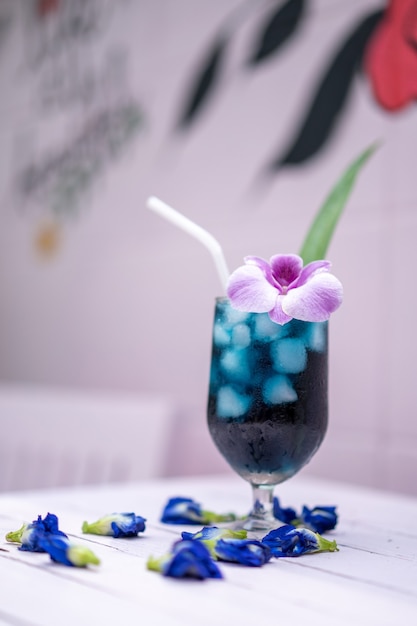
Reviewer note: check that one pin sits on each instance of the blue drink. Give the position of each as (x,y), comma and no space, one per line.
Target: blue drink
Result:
(268,402)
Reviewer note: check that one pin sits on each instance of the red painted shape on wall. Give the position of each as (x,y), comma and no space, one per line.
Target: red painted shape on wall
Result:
(391,56)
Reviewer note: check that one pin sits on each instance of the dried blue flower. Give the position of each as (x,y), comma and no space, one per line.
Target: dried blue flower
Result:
(188,511)
(290,541)
(188,559)
(61,550)
(116,525)
(181,511)
(244,551)
(285,515)
(210,535)
(29,535)
(320,519)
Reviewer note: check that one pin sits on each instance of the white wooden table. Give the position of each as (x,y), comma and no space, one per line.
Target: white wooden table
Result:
(372,580)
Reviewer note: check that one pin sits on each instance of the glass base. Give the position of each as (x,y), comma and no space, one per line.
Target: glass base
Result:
(261,518)
(255,528)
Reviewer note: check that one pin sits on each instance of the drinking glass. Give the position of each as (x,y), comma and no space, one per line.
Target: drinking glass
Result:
(268,401)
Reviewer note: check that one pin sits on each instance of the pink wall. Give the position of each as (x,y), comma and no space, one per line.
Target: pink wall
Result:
(126,300)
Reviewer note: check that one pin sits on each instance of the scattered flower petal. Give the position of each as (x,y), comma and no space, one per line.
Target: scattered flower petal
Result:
(188,511)
(188,559)
(290,541)
(29,535)
(116,525)
(285,289)
(243,551)
(31,538)
(61,550)
(181,511)
(320,519)
(286,515)
(210,535)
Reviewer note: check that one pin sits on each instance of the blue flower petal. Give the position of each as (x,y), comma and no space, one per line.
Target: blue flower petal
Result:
(320,519)
(205,534)
(34,532)
(243,551)
(57,548)
(116,525)
(62,551)
(188,511)
(182,511)
(191,559)
(285,515)
(50,523)
(31,539)
(128,525)
(290,541)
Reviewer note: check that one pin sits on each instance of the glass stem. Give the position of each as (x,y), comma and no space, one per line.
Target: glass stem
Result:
(263,502)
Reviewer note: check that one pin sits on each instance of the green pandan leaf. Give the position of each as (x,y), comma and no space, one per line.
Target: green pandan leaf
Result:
(321,231)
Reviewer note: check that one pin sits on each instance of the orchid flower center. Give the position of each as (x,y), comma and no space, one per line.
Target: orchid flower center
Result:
(284,278)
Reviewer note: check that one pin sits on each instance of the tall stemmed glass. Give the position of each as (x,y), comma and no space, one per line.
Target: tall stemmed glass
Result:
(268,400)
(267,407)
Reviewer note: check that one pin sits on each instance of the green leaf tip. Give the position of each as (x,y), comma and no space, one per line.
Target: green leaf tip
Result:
(15,536)
(81,556)
(209,517)
(321,230)
(326,545)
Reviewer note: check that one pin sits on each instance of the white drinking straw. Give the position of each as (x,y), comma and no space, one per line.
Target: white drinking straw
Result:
(166,211)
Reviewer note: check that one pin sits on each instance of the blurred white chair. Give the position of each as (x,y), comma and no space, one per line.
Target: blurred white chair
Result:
(53,437)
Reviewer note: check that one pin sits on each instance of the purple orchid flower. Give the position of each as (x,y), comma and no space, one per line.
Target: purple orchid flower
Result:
(285,289)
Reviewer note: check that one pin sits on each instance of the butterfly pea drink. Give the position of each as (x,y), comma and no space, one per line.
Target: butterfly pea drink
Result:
(267,406)
(268,401)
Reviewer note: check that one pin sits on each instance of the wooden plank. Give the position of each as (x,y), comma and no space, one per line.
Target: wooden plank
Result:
(370,581)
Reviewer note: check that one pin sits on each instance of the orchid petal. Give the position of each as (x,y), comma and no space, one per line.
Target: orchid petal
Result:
(263,265)
(249,290)
(315,300)
(309,271)
(286,268)
(277,314)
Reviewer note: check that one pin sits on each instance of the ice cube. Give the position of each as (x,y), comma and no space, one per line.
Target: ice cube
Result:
(316,337)
(221,337)
(289,355)
(279,390)
(230,403)
(267,330)
(234,316)
(234,363)
(241,336)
